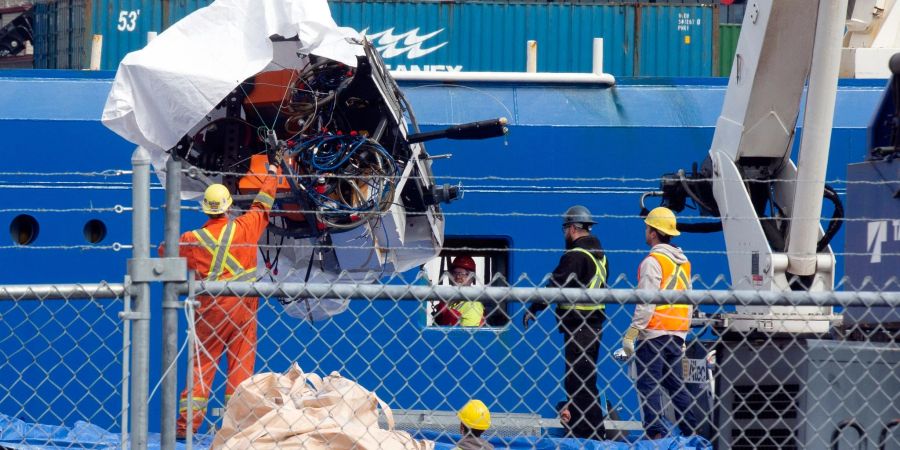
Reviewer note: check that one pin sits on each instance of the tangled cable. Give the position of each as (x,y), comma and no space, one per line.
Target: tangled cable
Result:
(355,178)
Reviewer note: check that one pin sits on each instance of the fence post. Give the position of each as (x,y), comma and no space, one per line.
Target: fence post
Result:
(169,392)
(140,365)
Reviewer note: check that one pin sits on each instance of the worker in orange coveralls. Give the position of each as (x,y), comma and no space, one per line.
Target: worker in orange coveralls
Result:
(225,249)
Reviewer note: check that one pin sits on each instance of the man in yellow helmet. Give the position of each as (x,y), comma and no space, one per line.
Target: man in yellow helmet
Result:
(474,419)
(661,329)
(224,249)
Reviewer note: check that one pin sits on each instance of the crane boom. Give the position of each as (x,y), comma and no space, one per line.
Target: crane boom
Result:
(769,206)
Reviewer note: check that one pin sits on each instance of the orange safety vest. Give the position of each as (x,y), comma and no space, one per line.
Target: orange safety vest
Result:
(223,263)
(226,249)
(675,277)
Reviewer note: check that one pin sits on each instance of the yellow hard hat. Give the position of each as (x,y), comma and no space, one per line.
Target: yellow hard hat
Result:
(475,415)
(662,219)
(216,200)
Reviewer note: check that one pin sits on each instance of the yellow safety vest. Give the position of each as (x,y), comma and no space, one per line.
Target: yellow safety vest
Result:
(597,281)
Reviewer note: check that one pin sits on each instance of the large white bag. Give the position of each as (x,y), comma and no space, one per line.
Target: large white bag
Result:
(303,411)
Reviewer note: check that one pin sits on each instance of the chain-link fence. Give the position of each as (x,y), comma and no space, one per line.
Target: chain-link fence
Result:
(782,381)
(756,389)
(65,362)
(343,364)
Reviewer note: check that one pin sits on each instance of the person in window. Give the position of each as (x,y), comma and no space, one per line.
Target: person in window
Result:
(462,313)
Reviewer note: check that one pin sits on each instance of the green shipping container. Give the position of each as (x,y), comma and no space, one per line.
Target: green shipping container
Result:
(728,39)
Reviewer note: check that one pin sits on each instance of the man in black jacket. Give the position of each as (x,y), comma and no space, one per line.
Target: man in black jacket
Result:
(583,265)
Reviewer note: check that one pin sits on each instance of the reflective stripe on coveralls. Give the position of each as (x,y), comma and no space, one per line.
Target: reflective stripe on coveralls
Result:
(224,325)
(221,256)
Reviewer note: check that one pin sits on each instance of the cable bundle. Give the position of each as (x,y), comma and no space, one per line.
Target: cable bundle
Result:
(355,178)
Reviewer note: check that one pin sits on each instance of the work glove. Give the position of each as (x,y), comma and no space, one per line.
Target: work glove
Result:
(527,318)
(276,157)
(628,341)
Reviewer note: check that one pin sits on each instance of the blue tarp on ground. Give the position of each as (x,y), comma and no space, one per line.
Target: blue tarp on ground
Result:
(444,441)
(18,434)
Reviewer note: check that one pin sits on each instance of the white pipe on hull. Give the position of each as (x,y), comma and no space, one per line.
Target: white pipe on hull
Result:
(96,51)
(597,59)
(506,77)
(817,123)
(531,57)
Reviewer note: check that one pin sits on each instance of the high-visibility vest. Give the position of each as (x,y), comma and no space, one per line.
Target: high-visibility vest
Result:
(597,281)
(675,277)
(224,265)
(471,314)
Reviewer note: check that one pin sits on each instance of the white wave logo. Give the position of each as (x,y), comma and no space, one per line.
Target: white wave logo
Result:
(410,43)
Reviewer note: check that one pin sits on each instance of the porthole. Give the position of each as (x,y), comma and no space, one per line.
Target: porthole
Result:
(24,229)
(94,231)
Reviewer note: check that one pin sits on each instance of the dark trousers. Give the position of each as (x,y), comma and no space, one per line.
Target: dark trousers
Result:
(659,367)
(581,333)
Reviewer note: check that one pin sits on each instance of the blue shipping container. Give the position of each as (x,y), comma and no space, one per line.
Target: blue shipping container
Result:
(458,36)
(639,40)
(175,10)
(124,25)
(675,41)
(491,36)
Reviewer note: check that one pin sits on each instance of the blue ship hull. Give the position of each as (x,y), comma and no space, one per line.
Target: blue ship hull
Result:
(637,130)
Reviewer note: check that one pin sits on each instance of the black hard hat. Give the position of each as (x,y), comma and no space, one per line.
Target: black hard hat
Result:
(578,214)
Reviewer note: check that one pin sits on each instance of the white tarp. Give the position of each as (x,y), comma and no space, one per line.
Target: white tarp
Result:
(163,90)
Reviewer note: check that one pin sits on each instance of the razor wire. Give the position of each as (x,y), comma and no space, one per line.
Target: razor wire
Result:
(193,171)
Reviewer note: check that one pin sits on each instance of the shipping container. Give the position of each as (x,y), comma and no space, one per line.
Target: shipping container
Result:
(639,39)
(672,40)
(675,41)
(175,10)
(728,39)
(468,36)
(732,13)
(124,25)
(60,34)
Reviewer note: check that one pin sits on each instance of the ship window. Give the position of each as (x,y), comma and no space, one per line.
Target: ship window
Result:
(491,256)
(24,229)
(94,231)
